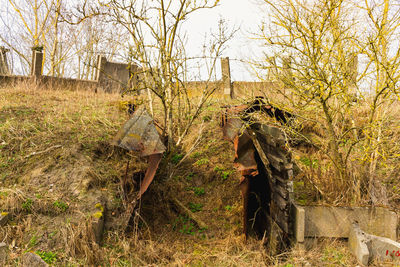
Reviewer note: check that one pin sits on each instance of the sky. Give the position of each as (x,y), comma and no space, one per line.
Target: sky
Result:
(246,15)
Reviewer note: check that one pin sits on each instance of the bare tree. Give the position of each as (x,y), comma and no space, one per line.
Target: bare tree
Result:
(158,46)
(315,48)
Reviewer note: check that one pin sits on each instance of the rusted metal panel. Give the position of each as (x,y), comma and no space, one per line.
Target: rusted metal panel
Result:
(154,161)
(140,134)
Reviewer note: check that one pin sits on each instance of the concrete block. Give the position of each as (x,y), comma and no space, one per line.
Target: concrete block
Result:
(299,222)
(368,247)
(30,259)
(358,244)
(322,221)
(383,248)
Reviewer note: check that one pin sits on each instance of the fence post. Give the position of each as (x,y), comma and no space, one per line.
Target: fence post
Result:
(4,70)
(226,77)
(100,75)
(37,62)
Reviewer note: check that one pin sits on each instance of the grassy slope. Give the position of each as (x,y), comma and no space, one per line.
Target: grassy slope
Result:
(55,162)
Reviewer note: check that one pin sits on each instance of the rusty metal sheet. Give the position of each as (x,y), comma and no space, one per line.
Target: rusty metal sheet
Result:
(154,161)
(140,134)
(244,155)
(232,128)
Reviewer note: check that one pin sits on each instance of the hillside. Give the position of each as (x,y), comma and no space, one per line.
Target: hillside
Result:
(57,164)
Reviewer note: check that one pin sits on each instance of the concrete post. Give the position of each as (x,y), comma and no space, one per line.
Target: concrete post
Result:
(4,70)
(226,77)
(100,75)
(37,62)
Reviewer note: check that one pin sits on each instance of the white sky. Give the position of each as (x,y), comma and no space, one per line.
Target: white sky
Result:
(243,14)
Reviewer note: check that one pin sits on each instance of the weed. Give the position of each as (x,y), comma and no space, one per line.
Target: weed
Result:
(48,257)
(225,174)
(62,206)
(198,191)
(38,196)
(187,227)
(218,169)
(334,256)
(202,161)
(33,241)
(176,158)
(206,118)
(27,205)
(52,234)
(228,207)
(313,163)
(189,177)
(195,155)
(195,207)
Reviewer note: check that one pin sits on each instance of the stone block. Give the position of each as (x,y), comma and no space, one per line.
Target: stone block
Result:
(30,259)
(322,221)
(368,247)
(358,244)
(299,222)
(383,248)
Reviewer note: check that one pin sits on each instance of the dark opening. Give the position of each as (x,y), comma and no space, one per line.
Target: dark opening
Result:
(258,207)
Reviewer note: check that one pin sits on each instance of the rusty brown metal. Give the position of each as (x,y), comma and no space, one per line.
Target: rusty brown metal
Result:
(260,153)
(154,161)
(140,134)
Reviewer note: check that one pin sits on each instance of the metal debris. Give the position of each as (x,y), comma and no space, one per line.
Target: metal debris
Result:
(140,134)
(262,158)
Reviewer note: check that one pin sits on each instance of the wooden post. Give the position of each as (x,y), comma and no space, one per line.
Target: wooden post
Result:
(226,77)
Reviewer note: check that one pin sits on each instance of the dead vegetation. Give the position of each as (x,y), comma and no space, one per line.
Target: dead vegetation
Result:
(56,163)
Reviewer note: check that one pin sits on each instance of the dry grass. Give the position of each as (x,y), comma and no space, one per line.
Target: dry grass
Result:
(54,149)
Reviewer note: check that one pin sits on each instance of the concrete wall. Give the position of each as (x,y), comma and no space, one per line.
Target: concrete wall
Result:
(13,79)
(116,77)
(112,78)
(324,221)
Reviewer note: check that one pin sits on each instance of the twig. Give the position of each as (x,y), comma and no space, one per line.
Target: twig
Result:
(44,151)
(191,215)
